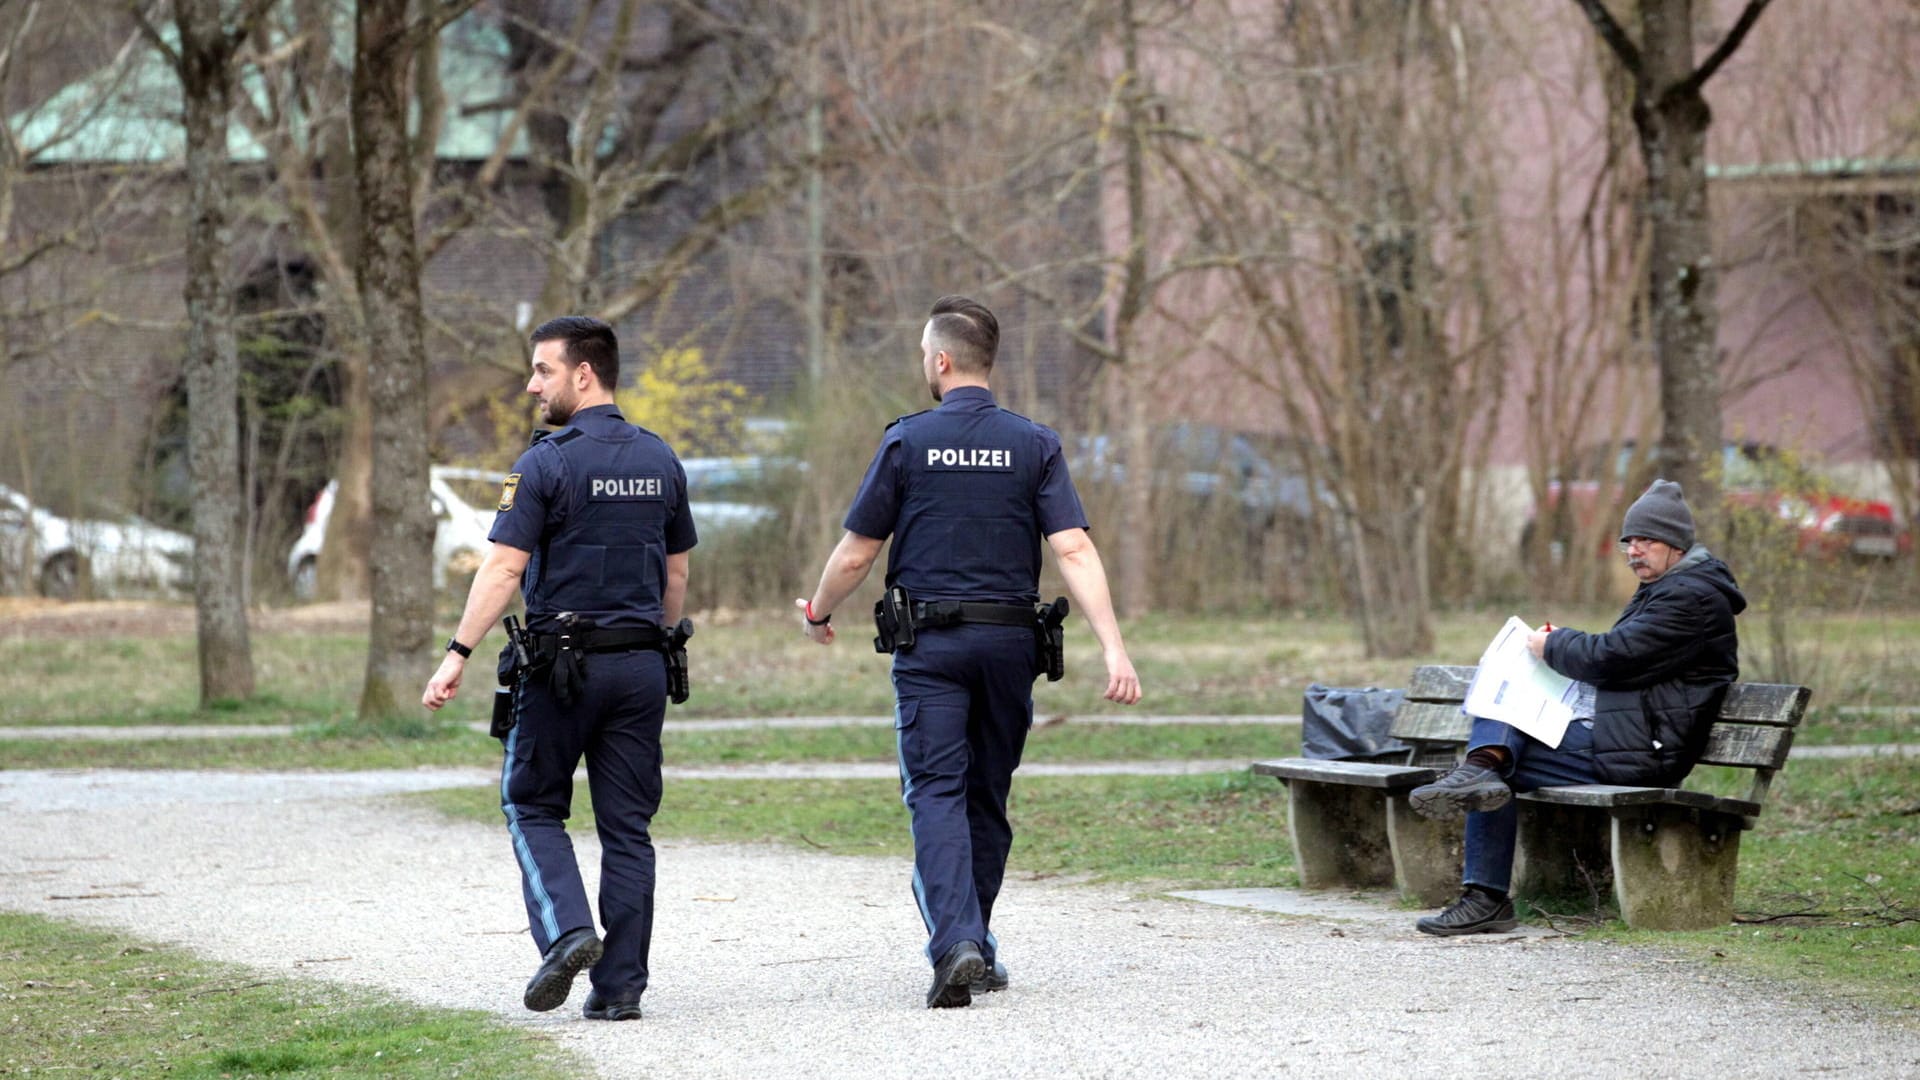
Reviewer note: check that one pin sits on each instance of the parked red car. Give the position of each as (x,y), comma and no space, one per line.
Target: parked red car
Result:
(1754,475)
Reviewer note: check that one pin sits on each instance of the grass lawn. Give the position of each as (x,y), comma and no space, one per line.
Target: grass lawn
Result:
(82,1001)
(1829,884)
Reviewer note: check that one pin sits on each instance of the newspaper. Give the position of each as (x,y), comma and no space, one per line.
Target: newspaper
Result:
(1515,688)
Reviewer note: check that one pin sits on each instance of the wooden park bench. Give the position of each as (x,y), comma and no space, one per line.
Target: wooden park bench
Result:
(1671,852)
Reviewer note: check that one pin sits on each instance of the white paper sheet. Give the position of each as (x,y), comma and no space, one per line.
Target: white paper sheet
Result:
(1514,688)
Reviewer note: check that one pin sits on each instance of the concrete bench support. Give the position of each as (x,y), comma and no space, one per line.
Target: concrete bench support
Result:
(1426,854)
(1674,867)
(1339,835)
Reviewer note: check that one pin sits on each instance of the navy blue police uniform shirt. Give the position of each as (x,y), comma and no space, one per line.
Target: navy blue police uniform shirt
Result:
(600,504)
(967,491)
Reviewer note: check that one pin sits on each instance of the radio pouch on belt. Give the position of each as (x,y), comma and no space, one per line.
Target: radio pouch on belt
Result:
(678,686)
(893,621)
(1050,633)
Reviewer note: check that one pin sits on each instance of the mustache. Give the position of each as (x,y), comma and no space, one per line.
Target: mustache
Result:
(1636,564)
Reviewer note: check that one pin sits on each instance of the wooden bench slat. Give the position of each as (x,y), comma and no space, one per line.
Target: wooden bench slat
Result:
(1427,721)
(1765,703)
(1612,795)
(1354,773)
(1440,682)
(1749,746)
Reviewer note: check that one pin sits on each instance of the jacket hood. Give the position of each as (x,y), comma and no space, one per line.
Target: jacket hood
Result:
(1701,566)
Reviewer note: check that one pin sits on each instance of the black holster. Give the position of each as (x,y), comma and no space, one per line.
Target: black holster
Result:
(893,621)
(1050,636)
(514,667)
(679,687)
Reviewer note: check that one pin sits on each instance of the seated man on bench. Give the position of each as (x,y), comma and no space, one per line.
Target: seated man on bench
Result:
(1656,682)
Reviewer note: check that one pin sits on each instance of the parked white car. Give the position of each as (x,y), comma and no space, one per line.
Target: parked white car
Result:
(464,502)
(718,490)
(64,558)
(463,509)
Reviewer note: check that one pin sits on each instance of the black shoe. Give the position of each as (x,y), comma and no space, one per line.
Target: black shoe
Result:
(613,1008)
(993,981)
(1476,912)
(1467,789)
(954,975)
(575,952)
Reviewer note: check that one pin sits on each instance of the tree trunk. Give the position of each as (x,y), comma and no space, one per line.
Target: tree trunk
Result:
(398,654)
(1671,116)
(1135,561)
(213,364)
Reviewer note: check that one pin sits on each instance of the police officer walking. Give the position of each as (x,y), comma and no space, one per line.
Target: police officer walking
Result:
(967,491)
(594,518)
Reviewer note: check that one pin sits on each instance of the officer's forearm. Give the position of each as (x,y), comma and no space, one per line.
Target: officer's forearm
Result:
(493,587)
(678,568)
(1086,579)
(852,560)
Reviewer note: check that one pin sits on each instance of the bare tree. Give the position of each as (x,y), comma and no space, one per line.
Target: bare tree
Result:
(1671,117)
(204,63)
(387,46)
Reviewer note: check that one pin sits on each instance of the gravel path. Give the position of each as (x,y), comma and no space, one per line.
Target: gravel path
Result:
(769,961)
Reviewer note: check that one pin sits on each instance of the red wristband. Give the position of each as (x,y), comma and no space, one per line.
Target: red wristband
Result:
(811,621)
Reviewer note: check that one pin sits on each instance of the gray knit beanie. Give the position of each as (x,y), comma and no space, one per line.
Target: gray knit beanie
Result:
(1660,514)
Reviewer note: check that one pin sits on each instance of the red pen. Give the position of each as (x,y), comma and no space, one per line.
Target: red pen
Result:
(1546,628)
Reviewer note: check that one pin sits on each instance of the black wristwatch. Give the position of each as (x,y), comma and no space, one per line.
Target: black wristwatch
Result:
(454,646)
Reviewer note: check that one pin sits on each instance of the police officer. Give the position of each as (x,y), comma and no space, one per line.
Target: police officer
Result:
(594,518)
(967,491)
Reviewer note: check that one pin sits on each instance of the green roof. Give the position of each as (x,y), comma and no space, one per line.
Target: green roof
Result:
(130,110)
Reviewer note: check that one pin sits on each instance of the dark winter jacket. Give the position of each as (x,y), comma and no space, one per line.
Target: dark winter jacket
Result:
(1661,671)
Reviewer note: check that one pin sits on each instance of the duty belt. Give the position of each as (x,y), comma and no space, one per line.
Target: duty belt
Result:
(950,612)
(548,643)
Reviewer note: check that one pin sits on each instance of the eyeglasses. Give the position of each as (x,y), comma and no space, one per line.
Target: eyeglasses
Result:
(1641,542)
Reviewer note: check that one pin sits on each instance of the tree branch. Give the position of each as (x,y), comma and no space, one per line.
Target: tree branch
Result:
(1728,45)
(1611,33)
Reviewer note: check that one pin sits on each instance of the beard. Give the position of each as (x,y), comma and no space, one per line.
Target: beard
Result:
(556,410)
(933,387)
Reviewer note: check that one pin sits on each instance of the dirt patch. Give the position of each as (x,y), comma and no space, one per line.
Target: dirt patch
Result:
(29,616)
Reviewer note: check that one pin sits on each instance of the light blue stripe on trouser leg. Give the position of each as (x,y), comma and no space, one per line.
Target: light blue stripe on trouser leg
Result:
(520,849)
(906,792)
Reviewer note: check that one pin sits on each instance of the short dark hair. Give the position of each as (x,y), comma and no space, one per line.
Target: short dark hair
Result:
(588,341)
(967,331)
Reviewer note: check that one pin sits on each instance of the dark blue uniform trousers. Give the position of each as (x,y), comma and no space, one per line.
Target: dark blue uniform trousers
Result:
(615,722)
(964,702)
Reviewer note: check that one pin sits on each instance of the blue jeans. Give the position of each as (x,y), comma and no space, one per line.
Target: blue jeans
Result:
(1532,764)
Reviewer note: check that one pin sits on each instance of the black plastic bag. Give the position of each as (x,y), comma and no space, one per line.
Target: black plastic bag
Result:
(1347,724)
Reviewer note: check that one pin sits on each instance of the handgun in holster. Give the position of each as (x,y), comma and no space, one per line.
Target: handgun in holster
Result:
(515,665)
(1050,635)
(893,621)
(678,685)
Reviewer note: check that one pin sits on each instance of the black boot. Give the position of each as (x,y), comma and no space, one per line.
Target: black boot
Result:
(1478,911)
(576,951)
(610,1008)
(954,975)
(993,980)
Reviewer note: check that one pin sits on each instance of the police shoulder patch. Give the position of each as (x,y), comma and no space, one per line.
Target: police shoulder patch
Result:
(507,490)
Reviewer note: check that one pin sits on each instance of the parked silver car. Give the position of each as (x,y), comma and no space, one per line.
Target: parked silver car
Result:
(64,558)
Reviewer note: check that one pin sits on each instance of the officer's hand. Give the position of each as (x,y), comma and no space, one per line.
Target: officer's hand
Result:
(445,682)
(822,634)
(1123,685)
